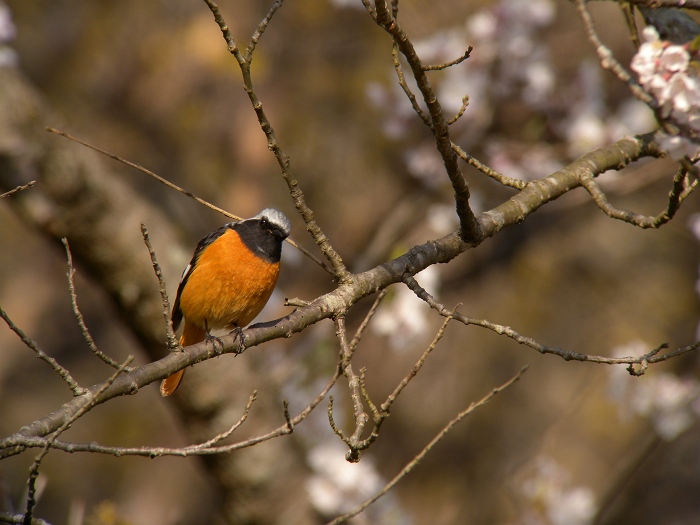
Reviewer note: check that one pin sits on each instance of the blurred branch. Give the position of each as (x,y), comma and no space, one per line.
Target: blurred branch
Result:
(30,343)
(244,61)
(419,457)
(19,519)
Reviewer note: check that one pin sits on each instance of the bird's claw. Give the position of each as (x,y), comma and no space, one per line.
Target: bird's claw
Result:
(215,341)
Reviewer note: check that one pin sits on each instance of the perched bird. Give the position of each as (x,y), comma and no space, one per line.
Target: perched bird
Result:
(229,279)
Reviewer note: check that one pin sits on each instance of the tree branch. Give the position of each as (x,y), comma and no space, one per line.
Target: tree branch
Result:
(419,457)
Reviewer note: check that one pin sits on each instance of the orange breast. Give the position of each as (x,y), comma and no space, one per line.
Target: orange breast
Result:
(228,286)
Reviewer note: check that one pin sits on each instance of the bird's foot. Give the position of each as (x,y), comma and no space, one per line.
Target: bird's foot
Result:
(237,332)
(215,341)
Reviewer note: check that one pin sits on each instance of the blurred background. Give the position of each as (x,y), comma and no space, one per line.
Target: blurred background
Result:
(571,443)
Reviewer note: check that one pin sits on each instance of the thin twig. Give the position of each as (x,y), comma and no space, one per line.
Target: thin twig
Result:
(78,314)
(608,60)
(483,168)
(216,439)
(419,364)
(417,459)
(18,188)
(682,187)
(406,89)
(365,322)
(63,372)
(439,67)
(177,188)
(566,355)
(172,341)
(462,109)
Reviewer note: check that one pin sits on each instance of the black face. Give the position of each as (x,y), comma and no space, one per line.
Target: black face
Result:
(263,237)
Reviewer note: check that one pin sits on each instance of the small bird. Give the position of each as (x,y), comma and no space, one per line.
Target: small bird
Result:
(229,280)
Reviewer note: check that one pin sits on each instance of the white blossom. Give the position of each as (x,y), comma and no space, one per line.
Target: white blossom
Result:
(665,71)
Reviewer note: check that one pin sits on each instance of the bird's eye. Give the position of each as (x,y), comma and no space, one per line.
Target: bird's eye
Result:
(264,222)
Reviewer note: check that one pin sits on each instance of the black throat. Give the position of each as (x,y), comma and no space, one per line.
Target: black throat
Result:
(263,241)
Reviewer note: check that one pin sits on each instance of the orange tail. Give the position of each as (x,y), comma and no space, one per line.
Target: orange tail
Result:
(191,335)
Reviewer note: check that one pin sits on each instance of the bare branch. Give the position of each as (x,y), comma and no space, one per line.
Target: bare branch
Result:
(172,341)
(34,469)
(216,439)
(406,89)
(17,189)
(483,168)
(418,458)
(79,316)
(566,355)
(462,109)
(365,322)
(19,519)
(360,415)
(419,364)
(682,187)
(62,372)
(513,211)
(19,442)
(451,63)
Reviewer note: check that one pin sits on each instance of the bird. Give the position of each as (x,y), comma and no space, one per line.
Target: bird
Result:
(228,281)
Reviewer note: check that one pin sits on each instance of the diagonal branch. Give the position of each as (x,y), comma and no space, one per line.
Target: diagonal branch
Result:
(30,343)
(79,316)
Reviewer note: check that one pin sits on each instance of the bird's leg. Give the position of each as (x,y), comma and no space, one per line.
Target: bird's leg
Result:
(237,332)
(215,341)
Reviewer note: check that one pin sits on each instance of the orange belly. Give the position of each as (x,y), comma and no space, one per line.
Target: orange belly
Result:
(228,286)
